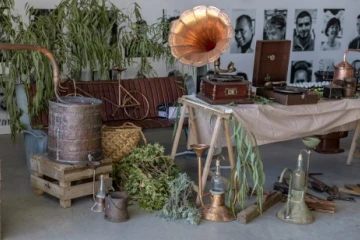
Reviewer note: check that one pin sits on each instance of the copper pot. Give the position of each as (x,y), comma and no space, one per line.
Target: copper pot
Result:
(344,69)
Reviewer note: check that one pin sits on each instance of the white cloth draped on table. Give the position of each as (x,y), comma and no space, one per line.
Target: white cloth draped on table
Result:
(275,122)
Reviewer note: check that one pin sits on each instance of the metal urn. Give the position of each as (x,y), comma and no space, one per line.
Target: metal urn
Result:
(216,211)
(344,69)
(295,210)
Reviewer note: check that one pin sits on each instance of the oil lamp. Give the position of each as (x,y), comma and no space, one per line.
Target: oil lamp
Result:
(99,198)
(217,210)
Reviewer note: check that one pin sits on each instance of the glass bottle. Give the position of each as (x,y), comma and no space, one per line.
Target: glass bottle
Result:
(217,182)
(298,181)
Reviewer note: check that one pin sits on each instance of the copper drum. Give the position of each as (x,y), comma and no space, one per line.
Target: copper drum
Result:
(75,130)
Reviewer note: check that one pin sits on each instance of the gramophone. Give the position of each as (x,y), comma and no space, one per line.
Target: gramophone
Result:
(198,38)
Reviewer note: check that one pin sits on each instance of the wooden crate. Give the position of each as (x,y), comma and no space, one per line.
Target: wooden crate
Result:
(64,181)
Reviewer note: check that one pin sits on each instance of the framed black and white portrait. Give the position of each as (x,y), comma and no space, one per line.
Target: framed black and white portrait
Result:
(333,29)
(356,66)
(325,71)
(304,32)
(301,71)
(355,30)
(326,65)
(275,24)
(243,22)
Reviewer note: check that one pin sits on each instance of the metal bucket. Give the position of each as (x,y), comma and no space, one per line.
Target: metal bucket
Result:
(35,141)
(116,207)
(74,130)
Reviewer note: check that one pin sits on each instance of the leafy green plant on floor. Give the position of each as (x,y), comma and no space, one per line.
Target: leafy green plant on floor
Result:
(178,206)
(145,175)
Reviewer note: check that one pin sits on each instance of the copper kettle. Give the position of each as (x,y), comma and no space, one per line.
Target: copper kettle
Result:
(344,69)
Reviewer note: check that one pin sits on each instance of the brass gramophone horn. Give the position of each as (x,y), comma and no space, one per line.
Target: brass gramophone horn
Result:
(200,35)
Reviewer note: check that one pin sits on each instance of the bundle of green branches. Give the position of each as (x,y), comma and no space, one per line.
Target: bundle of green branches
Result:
(178,205)
(248,166)
(145,175)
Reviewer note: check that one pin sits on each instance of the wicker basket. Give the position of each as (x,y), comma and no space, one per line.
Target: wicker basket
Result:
(117,142)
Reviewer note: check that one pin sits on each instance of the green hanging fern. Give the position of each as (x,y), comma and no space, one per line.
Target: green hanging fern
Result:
(86,34)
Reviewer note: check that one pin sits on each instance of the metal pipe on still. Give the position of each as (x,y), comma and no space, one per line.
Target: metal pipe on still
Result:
(46,52)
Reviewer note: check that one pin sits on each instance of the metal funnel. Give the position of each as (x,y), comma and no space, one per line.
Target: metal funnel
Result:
(199,149)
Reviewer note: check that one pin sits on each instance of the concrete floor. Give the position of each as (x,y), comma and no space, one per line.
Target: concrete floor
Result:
(27,216)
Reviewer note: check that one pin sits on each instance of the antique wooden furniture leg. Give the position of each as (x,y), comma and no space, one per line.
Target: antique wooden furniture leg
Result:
(36,190)
(193,126)
(229,145)
(178,131)
(353,143)
(65,203)
(209,157)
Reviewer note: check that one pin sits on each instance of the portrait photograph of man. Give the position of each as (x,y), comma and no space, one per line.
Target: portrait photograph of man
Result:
(304,34)
(243,21)
(275,24)
(355,43)
(301,71)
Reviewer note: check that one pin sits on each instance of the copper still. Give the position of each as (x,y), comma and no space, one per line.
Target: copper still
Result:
(344,69)
(74,134)
(74,122)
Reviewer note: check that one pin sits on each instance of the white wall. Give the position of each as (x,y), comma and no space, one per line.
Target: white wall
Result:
(152,9)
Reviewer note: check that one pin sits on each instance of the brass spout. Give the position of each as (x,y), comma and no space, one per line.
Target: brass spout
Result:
(350,50)
(287,212)
(46,52)
(199,150)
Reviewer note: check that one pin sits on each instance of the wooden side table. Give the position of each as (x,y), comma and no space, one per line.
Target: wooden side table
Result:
(64,181)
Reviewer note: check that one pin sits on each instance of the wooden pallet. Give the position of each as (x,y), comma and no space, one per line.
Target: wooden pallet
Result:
(65,181)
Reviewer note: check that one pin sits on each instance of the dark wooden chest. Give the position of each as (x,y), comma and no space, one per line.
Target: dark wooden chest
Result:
(225,92)
(271,62)
(271,66)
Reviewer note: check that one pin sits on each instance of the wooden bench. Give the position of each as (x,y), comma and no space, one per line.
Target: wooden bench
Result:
(158,91)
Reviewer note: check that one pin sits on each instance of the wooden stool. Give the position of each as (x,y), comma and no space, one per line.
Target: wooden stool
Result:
(66,182)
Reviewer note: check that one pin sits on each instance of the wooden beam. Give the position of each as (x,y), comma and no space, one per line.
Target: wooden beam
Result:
(251,212)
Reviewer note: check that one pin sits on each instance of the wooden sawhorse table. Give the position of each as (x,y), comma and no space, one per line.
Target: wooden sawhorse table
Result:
(353,143)
(222,114)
